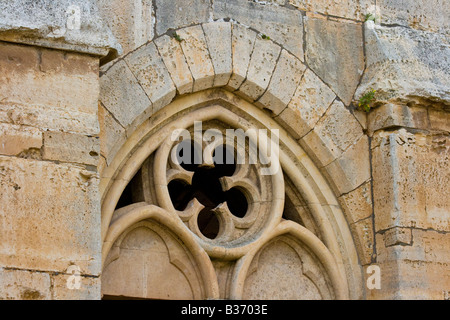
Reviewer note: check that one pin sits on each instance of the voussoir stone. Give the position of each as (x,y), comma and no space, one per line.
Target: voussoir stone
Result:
(310,102)
(336,131)
(261,68)
(284,82)
(151,72)
(195,48)
(173,57)
(218,37)
(243,41)
(123,96)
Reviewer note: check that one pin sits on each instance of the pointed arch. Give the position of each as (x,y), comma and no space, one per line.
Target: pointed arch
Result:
(155,89)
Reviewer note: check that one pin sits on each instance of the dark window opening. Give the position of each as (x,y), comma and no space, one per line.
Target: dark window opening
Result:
(207,189)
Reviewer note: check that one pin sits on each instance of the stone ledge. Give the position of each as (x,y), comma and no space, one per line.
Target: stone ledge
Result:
(58,25)
(406,65)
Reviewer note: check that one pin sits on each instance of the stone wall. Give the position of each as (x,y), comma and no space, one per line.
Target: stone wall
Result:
(49,151)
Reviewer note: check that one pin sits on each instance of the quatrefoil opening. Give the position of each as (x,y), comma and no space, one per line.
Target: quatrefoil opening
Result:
(207,188)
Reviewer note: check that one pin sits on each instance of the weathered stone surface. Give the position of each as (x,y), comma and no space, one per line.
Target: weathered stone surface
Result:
(180,13)
(150,70)
(151,247)
(439,119)
(112,134)
(282,25)
(243,41)
(50,217)
(406,64)
(398,237)
(411,175)
(334,51)
(16,140)
(354,9)
(69,147)
(310,102)
(357,204)
(49,118)
(57,24)
(333,134)
(173,57)
(350,170)
(284,82)
(131,22)
(420,14)
(364,235)
(24,285)
(90,288)
(417,271)
(218,37)
(260,70)
(197,55)
(278,266)
(130,105)
(49,78)
(391,116)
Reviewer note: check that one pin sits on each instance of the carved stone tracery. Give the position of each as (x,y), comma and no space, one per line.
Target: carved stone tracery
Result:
(252,222)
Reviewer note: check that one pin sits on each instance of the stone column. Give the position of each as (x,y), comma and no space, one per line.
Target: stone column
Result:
(50,246)
(410,155)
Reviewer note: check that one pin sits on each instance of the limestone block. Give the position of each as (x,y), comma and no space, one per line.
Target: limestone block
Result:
(391,116)
(334,51)
(176,64)
(112,134)
(333,134)
(260,70)
(24,285)
(16,140)
(278,2)
(406,65)
(64,24)
(197,55)
(420,14)
(180,13)
(48,89)
(398,237)
(34,76)
(363,234)
(357,204)
(439,119)
(131,22)
(411,175)
(218,37)
(90,288)
(122,95)
(277,272)
(52,216)
(284,82)
(309,104)
(424,245)
(243,41)
(417,271)
(281,24)
(49,118)
(151,72)
(69,147)
(155,263)
(354,9)
(350,170)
